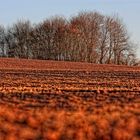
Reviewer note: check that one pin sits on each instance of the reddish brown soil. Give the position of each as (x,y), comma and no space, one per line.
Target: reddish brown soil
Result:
(26,64)
(54,100)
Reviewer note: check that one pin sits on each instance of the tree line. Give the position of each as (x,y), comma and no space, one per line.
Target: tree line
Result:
(86,37)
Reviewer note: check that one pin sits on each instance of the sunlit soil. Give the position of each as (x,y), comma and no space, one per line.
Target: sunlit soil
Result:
(68,101)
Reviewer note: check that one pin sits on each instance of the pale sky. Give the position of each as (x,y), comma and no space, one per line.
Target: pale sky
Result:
(38,10)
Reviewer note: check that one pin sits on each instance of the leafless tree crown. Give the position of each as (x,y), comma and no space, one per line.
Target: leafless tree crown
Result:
(87,37)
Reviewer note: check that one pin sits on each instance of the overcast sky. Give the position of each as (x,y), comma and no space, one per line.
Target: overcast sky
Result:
(38,10)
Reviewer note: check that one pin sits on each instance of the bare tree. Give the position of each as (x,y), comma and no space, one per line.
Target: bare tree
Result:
(2,41)
(17,39)
(118,40)
(86,26)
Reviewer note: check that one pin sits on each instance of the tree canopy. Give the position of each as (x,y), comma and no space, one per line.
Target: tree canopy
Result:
(86,37)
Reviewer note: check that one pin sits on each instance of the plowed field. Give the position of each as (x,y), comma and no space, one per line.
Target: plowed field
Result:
(50,100)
